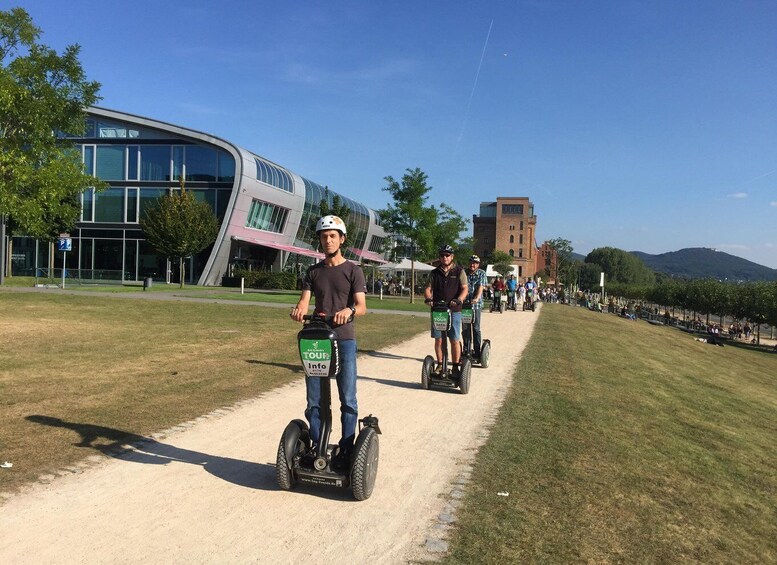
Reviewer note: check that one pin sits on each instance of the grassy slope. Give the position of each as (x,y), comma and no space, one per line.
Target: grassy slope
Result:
(622,441)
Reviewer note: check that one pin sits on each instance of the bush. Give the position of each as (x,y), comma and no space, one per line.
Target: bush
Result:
(268,279)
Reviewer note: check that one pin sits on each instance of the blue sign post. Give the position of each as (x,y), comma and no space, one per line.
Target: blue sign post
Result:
(64,244)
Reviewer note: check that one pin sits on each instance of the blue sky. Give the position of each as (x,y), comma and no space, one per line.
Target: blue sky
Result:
(643,125)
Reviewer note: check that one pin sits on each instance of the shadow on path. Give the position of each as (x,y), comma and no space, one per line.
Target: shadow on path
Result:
(152,452)
(289,366)
(383,355)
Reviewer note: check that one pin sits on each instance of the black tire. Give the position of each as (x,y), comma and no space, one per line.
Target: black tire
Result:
(285,476)
(365,464)
(426,371)
(501,307)
(532,306)
(464,376)
(485,354)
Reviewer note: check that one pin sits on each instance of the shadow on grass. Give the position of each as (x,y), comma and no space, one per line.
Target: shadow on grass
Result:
(289,366)
(152,452)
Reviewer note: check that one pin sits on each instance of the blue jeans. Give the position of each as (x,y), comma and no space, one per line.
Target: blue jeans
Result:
(475,334)
(346,387)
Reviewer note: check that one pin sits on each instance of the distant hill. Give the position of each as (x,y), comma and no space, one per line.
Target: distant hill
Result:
(701,262)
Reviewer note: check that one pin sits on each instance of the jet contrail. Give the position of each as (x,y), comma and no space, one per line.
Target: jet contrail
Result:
(472,94)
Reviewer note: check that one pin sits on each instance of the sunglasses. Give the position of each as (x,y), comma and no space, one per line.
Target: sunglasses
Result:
(445,254)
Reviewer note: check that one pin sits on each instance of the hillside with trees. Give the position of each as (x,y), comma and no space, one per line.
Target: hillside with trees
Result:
(702,263)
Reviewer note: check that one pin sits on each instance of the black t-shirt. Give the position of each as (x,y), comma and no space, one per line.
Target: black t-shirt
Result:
(447,286)
(333,289)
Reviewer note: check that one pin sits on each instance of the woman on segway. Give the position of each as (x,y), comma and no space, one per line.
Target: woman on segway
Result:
(339,288)
(448,283)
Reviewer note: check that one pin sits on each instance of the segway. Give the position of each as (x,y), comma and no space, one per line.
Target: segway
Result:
(512,303)
(467,316)
(441,321)
(528,303)
(299,461)
(498,303)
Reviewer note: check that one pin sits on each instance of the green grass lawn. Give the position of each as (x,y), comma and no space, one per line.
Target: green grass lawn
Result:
(137,367)
(626,442)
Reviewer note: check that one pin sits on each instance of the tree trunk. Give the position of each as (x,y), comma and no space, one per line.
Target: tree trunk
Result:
(181,271)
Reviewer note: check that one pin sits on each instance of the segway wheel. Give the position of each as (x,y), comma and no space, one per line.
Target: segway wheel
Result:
(365,464)
(426,372)
(464,377)
(532,306)
(485,354)
(295,436)
(501,307)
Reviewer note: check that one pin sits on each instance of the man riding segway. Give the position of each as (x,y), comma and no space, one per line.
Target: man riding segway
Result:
(448,284)
(340,289)
(476,284)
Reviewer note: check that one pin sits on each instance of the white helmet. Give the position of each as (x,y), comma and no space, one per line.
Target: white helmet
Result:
(330,223)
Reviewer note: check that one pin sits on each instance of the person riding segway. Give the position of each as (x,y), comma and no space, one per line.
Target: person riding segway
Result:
(531,293)
(446,290)
(327,347)
(474,347)
(498,287)
(511,285)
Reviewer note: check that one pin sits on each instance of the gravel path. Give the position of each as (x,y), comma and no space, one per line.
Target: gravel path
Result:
(205,492)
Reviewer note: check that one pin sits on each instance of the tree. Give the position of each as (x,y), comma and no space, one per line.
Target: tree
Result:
(448,228)
(620,266)
(565,265)
(43,95)
(501,262)
(590,277)
(409,216)
(180,226)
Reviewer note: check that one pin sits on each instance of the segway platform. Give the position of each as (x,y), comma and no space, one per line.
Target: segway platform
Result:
(298,460)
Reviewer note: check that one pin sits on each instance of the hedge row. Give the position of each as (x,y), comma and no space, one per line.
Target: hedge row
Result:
(269,280)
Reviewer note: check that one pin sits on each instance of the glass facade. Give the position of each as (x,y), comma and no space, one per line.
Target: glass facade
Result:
(358,220)
(139,164)
(267,217)
(274,176)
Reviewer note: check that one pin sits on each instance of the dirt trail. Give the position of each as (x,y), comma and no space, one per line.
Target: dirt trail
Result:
(208,494)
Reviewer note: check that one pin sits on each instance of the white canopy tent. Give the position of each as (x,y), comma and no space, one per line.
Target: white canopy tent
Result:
(405,265)
(491,273)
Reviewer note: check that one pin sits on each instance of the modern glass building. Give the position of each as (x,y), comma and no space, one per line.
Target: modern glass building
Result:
(267,213)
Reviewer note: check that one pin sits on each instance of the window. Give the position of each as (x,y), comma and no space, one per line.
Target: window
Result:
(521,228)
(376,244)
(89,159)
(226,167)
(512,253)
(132,162)
(154,162)
(520,252)
(512,209)
(512,239)
(520,239)
(110,162)
(272,175)
(132,205)
(267,217)
(201,163)
(87,207)
(109,205)
(520,270)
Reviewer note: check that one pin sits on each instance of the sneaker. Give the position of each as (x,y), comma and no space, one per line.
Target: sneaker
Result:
(341,460)
(438,369)
(455,370)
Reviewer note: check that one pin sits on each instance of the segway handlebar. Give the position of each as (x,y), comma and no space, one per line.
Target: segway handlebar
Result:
(322,318)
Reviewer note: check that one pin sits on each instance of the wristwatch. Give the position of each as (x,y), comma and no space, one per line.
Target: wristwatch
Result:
(353,311)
